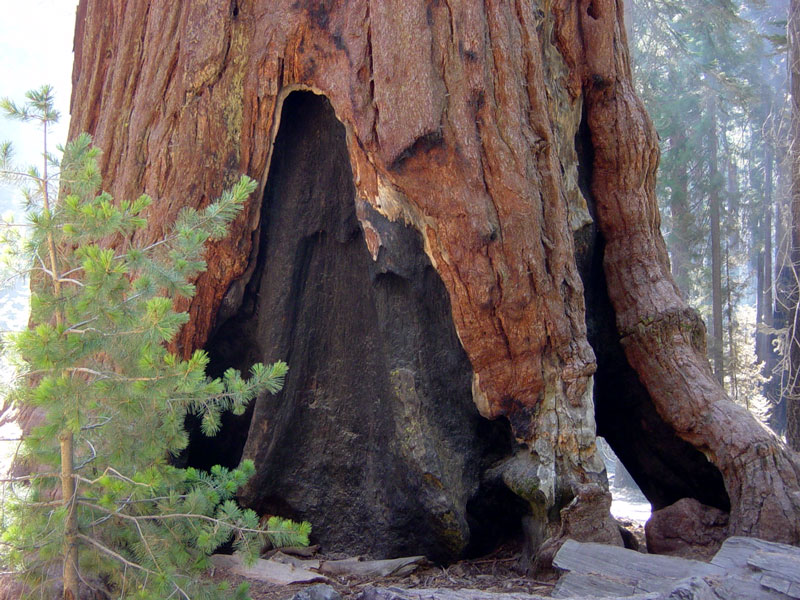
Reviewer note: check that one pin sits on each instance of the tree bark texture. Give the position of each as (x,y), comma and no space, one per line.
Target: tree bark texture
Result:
(768,302)
(68,492)
(460,122)
(768,237)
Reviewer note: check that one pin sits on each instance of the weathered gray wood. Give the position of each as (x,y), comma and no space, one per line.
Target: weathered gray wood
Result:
(395,593)
(779,571)
(694,588)
(266,570)
(728,587)
(302,551)
(785,566)
(743,568)
(583,584)
(736,551)
(733,587)
(371,568)
(616,569)
(301,563)
(774,566)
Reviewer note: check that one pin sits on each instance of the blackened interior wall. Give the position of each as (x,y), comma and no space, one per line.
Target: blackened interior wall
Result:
(374,438)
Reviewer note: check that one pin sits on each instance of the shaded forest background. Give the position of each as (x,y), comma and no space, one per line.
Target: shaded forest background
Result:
(713,76)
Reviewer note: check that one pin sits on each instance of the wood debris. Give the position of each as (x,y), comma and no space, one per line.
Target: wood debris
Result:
(266,570)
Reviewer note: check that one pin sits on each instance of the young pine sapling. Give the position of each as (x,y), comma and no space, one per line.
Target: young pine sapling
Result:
(103,500)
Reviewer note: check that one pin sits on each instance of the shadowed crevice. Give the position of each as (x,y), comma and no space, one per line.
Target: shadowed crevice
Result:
(375,438)
(665,467)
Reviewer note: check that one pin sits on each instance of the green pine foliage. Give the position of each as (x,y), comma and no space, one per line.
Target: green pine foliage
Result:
(96,363)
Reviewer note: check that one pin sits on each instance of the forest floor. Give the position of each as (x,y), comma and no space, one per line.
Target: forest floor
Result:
(499,572)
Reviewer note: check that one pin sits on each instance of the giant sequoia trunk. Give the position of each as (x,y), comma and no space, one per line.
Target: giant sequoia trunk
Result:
(429,172)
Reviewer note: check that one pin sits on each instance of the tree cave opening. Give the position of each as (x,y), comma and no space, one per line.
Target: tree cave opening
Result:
(665,467)
(375,437)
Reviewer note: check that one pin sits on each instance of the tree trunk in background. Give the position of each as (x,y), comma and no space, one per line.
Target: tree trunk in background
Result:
(769,296)
(761,337)
(680,235)
(768,253)
(776,369)
(777,275)
(664,340)
(732,191)
(429,197)
(766,301)
(792,394)
(716,248)
(733,359)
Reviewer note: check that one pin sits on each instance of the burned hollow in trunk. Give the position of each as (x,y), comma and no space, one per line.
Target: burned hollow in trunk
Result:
(375,438)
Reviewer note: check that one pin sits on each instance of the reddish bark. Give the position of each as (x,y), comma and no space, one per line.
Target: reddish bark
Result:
(688,529)
(449,127)
(419,123)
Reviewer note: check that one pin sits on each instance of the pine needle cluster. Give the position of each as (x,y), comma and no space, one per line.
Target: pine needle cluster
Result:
(103,501)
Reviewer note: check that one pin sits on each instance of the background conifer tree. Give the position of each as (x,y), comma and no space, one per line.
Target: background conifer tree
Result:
(713,80)
(103,500)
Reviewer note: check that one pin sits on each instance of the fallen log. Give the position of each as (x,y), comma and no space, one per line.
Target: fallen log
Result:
(301,563)
(602,570)
(396,593)
(743,568)
(773,566)
(301,551)
(282,569)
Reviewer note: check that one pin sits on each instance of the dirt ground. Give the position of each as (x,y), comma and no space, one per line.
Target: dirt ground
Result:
(499,571)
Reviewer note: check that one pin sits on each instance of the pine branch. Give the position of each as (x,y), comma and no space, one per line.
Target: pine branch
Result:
(105,549)
(113,472)
(20,478)
(279,532)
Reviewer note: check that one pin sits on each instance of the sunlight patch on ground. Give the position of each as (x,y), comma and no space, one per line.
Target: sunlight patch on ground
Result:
(628,504)
(628,501)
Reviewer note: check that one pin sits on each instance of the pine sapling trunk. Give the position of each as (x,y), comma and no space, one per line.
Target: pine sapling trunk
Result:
(70,571)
